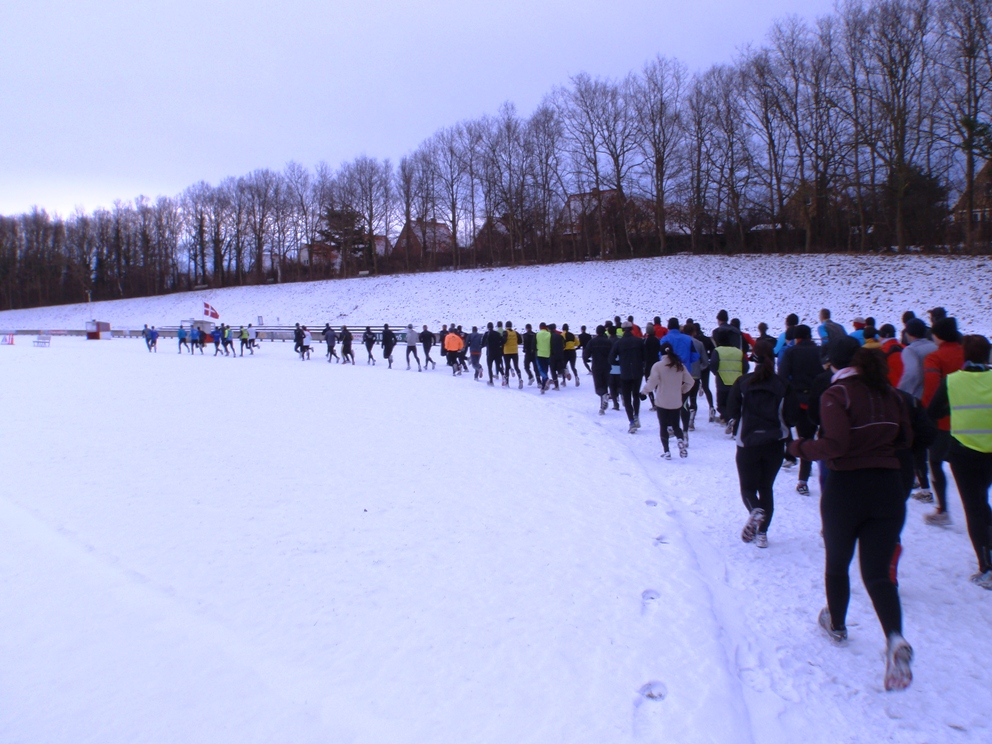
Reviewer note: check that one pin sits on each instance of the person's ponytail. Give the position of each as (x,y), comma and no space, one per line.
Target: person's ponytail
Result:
(764,360)
(872,369)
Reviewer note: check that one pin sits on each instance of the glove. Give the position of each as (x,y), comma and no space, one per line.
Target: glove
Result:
(643,396)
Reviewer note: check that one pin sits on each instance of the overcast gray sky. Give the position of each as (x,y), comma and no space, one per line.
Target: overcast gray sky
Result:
(101,100)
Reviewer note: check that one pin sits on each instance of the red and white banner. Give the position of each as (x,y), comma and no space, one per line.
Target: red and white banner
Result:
(209,312)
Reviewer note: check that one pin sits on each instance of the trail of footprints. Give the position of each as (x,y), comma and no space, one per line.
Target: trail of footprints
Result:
(653,690)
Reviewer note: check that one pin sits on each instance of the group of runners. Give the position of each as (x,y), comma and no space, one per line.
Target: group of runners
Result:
(879,411)
(221,336)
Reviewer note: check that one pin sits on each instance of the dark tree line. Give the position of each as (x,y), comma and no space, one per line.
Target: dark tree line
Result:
(857,132)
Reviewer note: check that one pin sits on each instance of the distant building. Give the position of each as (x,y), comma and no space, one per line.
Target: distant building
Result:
(981,212)
(422,237)
(320,254)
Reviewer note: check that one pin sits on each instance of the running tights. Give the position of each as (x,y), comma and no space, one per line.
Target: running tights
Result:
(864,508)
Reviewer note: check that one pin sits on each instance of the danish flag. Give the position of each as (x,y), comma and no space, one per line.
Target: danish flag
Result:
(209,312)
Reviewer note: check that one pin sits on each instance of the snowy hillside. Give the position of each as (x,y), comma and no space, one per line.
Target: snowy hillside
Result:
(753,288)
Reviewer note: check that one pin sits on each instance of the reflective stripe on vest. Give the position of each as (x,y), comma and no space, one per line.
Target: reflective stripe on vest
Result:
(970,396)
(731,364)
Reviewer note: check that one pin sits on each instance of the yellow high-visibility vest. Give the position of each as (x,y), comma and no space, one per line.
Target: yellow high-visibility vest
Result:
(970,395)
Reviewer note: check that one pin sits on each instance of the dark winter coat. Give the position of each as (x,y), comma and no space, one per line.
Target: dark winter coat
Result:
(493,341)
(530,343)
(764,411)
(731,336)
(652,352)
(861,428)
(628,352)
(800,366)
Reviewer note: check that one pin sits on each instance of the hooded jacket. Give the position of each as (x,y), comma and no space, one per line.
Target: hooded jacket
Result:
(668,384)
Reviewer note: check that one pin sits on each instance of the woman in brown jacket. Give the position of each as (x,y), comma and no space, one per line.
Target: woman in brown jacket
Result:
(864,423)
(669,381)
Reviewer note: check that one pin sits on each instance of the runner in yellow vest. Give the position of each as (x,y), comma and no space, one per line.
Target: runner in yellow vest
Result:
(967,396)
(729,363)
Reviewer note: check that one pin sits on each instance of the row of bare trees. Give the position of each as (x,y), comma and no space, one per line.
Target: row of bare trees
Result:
(856,132)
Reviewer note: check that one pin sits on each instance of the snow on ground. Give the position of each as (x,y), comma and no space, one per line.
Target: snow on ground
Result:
(259,549)
(754,288)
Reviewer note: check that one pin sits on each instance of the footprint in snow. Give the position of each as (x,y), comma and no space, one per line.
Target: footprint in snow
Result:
(654,690)
(648,597)
(660,540)
(649,502)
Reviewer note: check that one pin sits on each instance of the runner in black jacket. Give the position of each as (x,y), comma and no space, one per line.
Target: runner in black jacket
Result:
(530,353)
(427,341)
(598,349)
(368,338)
(628,352)
(763,407)
(800,366)
(492,340)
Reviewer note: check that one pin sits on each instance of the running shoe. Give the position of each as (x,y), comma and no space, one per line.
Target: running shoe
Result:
(923,495)
(898,657)
(837,635)
(938,519)
(683,448)
(802,489)
(761,540)
(754,520)
(983,579)
(666,455)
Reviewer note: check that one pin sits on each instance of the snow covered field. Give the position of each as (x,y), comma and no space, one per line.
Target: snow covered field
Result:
(259,549)
(753,288)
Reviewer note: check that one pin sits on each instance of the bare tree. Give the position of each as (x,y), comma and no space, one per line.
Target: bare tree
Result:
(966,86)
(658,95)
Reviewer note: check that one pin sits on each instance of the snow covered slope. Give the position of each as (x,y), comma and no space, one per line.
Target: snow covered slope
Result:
(262,549)
(753,288)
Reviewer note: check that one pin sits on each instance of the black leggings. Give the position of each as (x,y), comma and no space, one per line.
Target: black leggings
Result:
(973,474)
(530,366)
(806,429)
(938,453)
(757,467)
(412,350)
(615,388)
(670,417)
(864,507)
(693,394)
(684,411)
(496,359)
(570,361)
(427,355)
(508,360)
(630,389)
(704,385)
